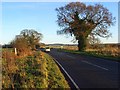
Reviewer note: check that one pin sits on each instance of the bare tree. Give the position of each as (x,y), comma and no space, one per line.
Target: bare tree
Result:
(80,20)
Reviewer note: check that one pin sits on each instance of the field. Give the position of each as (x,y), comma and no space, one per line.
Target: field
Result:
(34,71)
(107,51)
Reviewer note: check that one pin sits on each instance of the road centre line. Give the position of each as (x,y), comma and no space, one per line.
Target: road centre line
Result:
(69,56)
(90,63)
(95,65)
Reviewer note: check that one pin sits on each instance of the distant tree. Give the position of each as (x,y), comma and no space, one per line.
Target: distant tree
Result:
(33,37)
(37,46)
(42,45)
(26,41)
(92,42)
(81,21)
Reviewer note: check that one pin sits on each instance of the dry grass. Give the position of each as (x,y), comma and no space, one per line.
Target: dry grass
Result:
(100,50)
(70,47)
(106,50)
(34,71)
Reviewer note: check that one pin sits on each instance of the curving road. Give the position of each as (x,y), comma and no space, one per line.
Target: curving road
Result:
(89,72)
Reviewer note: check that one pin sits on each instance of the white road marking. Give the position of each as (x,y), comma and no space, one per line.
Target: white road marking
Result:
(67,75)
(90,63)
(94,65)
(69,56)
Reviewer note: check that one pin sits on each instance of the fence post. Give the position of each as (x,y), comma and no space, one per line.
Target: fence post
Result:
(15,51)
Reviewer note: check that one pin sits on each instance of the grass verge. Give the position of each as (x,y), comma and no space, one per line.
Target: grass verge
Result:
(36,71)
(55,77)
(107,57)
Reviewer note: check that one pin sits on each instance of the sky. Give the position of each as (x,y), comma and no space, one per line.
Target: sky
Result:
(41,16)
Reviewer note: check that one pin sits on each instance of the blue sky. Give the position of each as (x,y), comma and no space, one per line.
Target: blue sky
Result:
(42,17)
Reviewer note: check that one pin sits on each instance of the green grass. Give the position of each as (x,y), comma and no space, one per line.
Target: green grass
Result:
(55,77)
(36,71)
(85,53)
(7,49)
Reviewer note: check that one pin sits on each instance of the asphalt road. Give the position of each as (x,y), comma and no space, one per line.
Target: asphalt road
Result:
(89,72)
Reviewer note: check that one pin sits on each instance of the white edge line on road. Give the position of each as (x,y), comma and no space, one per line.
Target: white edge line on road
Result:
(67,74)
(94,65)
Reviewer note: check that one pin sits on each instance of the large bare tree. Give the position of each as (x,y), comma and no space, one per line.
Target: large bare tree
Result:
(80,20)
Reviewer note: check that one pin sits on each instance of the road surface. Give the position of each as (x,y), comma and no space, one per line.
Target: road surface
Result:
(89,72)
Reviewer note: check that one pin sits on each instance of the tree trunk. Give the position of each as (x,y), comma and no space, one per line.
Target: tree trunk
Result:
(81,44)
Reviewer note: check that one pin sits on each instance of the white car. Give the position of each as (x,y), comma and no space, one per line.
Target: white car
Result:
(47,49)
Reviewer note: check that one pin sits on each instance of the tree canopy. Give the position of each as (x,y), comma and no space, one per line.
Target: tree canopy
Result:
(32,37)
(26,41)
(80,21)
